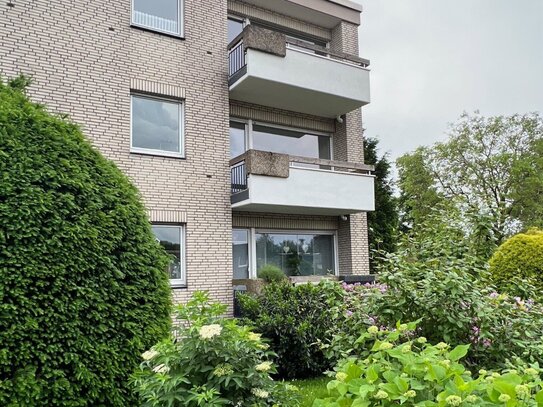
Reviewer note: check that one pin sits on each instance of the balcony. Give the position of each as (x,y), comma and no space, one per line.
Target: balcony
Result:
(279,183)
(269,69)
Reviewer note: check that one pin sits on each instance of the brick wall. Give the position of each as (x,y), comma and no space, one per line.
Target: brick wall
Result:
(84,57)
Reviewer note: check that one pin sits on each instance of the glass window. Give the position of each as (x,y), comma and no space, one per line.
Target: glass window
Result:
(240,252)
(159,15)
(297,254)
(291,142)
(235,27)
(237,139)
(171,237)
(156,125)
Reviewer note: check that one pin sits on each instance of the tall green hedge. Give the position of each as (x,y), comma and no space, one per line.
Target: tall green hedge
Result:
(83,286)
(520,256)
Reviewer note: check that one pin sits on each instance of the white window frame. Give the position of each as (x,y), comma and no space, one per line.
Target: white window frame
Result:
(252,245)
(250,268)
(181,23)
(181,117)
(178,282)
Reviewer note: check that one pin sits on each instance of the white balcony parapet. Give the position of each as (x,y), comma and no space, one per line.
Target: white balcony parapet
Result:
(268,69)
(269,182)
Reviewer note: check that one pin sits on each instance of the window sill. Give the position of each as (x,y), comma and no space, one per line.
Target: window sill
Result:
(178,286)
(153,30)
(157,153)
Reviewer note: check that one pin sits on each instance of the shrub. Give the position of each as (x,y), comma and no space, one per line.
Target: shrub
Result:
(271,274)
(520,256)
(83,286)
(431,281)
(209,361)
(415,373)
(295,319)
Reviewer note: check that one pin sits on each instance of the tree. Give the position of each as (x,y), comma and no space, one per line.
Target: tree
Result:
(383,222)
(83,282)
(482,169)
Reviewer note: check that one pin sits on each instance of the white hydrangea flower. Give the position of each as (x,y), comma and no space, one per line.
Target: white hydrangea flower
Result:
(150,354)
(162,368)
(210,331)
(263,367)
(262,394)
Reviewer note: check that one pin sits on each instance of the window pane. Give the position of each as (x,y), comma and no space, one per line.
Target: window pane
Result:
(240,252)
(237,139)
(155,124)
(296,254)
(235,27)
(161,15)
(170,238)
(290,142)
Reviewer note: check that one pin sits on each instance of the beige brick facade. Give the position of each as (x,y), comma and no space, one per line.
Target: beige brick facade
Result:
(85,59)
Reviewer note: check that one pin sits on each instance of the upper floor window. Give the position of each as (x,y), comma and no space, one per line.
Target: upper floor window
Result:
(159,15)
(235,27)
(157,126)
(172,239)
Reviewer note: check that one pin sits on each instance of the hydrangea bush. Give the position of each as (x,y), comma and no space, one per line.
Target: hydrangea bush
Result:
(416,373)
(210,361)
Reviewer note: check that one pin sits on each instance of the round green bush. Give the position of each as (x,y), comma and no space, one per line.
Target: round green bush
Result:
(271,274)
(83,283)
(521,256)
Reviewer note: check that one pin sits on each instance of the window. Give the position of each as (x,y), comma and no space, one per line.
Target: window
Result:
(292,142)
(237,139)
(157,126)
(278,139)
(159,15)
(235,27)
(297,253)
(240,252)
(172,238)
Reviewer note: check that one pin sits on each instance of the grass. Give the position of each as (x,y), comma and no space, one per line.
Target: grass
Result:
(312,389)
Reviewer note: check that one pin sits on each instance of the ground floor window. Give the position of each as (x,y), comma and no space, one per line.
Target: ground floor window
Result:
(172,238)
(240,252)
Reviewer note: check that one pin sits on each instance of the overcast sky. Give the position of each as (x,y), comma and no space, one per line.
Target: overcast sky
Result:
(433,59)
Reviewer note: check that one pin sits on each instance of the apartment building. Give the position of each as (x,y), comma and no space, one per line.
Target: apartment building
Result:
(239,121)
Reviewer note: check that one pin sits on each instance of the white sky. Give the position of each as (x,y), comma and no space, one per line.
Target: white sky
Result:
(433,59)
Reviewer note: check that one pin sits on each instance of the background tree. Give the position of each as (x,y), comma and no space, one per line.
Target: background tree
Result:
(487,168)
(383,222)
(83,283)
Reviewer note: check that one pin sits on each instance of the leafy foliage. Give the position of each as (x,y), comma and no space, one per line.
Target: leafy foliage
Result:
(435,279)
(209,361)
(271,273)
(415,373)
(295,319)
(383,222)
(480,169)
(83,283)
(520,256)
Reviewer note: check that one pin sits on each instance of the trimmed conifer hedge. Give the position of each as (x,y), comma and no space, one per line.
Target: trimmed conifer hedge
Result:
(83,282)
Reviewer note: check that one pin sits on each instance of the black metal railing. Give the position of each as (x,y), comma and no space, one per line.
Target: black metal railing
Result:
(238,177)
(236,58)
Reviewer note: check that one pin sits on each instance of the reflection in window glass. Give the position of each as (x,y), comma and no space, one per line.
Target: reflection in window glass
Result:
(156,124)
(237,139)
(161,15)
(235,27)
(170,237)
(296,254)
(291,142)
(240,252)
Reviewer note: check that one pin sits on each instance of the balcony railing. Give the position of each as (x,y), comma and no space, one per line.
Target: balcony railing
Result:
(237,49)
(274,165)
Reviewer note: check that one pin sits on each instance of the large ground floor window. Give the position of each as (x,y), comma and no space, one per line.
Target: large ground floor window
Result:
(297,253)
